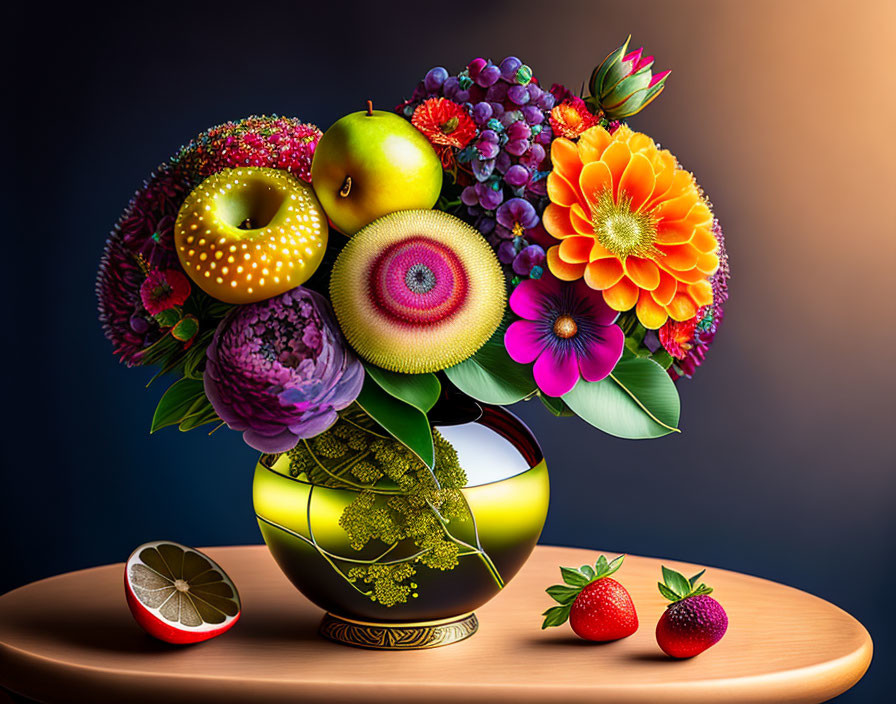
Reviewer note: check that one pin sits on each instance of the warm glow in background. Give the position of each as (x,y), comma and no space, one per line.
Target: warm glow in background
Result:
(785,112)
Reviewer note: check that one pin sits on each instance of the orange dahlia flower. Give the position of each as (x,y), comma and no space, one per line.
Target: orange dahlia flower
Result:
(632,223)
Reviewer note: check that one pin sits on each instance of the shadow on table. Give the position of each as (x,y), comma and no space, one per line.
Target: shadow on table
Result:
(122,635)
(573,641)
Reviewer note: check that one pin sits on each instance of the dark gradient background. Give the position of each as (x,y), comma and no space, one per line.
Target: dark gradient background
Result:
(785,112)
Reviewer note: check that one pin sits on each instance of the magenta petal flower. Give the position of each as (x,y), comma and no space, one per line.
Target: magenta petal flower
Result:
(566,330)
(279,370)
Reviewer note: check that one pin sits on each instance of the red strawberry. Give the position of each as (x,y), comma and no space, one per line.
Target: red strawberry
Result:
(693,621)
(598,608)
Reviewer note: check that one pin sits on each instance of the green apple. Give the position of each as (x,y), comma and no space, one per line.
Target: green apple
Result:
(372,163)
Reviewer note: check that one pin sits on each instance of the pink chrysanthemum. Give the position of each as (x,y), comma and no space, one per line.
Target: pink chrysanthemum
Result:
(268,142)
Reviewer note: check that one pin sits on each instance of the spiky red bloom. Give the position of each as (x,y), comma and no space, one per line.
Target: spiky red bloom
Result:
(162,290)
(444,122)
(677,337)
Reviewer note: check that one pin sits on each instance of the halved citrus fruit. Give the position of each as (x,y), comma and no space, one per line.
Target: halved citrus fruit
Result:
(179,595)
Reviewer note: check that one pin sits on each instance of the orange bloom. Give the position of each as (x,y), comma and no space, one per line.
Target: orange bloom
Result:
(445,123)
(570,118)
(633,223)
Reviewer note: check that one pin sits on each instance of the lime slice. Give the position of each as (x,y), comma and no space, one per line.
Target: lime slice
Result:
(179,595)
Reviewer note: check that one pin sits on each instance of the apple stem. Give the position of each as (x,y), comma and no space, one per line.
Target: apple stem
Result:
(370,108)
(346,187)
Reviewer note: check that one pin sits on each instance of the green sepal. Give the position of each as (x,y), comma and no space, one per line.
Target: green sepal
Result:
(556,616)
(636,102)
(602,75)
(675,586)
(576,580)
(563,594)
(627,87)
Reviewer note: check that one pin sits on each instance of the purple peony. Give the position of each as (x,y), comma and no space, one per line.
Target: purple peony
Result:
(278,370)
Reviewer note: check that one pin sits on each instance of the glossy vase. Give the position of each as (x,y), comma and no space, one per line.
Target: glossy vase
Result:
(507,493)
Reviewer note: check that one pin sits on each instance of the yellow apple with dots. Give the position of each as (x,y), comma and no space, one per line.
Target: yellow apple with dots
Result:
(247,234)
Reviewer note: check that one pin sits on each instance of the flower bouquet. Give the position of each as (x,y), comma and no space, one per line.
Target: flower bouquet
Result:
(362,304)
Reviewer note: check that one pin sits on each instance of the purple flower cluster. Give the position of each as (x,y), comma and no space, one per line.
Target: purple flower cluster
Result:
(507,162)
(278,370)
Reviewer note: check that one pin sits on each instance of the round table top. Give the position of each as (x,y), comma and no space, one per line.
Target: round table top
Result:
(71,638)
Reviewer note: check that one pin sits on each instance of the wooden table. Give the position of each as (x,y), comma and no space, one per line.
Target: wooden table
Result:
(71,639)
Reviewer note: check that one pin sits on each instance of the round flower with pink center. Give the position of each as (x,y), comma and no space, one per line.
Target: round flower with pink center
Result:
(417,291)
(566,330)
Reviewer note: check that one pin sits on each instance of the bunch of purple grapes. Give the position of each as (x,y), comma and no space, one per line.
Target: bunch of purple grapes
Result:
(504,168)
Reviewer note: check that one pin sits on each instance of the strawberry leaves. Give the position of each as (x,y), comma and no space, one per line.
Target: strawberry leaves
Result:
(574,581)
(675,586)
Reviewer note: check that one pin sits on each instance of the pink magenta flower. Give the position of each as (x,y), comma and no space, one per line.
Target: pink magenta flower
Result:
(162,290)
(566,329)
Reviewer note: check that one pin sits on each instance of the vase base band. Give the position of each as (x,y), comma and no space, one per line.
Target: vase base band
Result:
(398,636)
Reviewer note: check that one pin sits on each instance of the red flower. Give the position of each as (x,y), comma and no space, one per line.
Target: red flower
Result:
(571,117)
(677,337)
(163,290)
(445,123)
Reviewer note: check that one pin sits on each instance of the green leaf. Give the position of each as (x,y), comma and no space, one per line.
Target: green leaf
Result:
(667,593)
(418,390)
(663,358)
(556,616)
(603,568)
(574,577)
(402,421)
(676,582)
(176,403)
(614,565)
(563,594)
(588,571)
(198,419)
(491,376)
(638,400)
(699,591)
(555,405)
(693,580)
